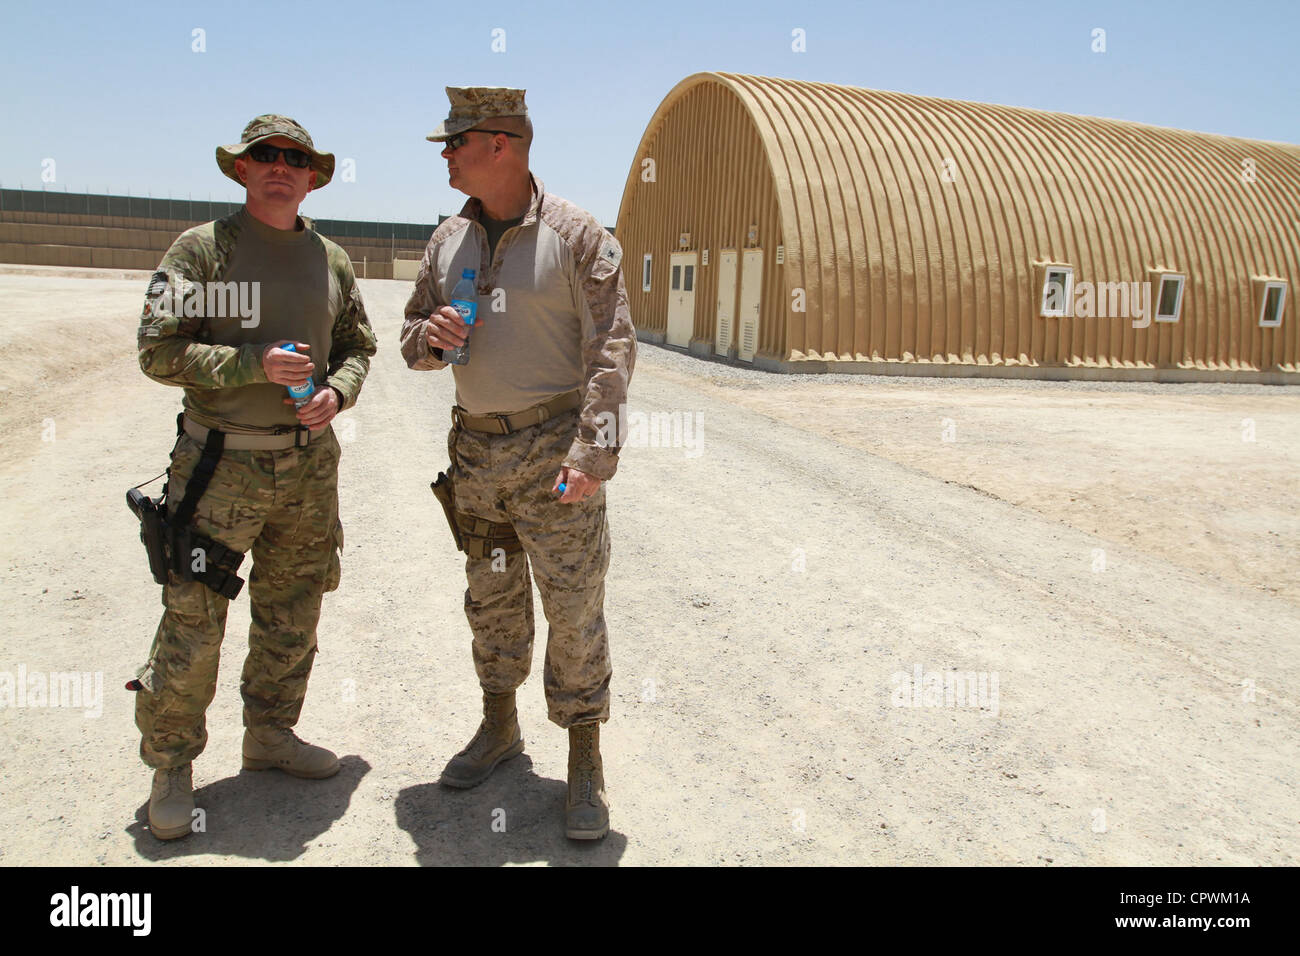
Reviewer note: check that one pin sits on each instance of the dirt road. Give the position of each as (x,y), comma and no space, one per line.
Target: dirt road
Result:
(1112,570)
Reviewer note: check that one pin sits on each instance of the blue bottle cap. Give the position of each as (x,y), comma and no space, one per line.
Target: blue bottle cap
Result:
(562,487)
(467,273)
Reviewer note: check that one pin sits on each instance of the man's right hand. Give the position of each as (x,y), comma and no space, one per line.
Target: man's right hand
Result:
(287,368)
(446,329)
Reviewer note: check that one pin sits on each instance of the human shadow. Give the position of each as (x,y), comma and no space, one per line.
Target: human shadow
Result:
(514,816)
(266,815)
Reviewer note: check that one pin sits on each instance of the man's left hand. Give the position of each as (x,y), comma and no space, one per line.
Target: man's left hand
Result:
(578,485)
(320,411)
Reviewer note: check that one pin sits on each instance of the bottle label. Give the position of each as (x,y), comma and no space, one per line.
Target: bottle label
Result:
(468,310)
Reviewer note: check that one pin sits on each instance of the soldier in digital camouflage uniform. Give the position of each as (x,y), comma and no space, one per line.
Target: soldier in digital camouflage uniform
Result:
(274,489)
(551,353)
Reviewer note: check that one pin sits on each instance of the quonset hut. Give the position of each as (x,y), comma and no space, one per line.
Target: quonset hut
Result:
(812,227)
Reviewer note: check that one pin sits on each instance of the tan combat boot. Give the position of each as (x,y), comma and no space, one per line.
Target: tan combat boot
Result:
(586,811)
(171,802)
(279,747)
(497,739)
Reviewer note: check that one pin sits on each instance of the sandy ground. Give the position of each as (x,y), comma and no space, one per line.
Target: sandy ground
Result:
(1117,562)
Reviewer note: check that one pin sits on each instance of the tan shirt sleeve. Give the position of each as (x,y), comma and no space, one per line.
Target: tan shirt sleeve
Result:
(425,299)
(608,355)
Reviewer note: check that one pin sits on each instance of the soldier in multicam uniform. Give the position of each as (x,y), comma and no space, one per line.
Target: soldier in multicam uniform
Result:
(550,357)
(274,487)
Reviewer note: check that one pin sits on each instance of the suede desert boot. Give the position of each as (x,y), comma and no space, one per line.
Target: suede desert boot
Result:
(498,739)
(586,811)
(171,802)
(279,747)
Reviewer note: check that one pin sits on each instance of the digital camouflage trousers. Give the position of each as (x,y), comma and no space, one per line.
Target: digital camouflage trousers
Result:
(508,478)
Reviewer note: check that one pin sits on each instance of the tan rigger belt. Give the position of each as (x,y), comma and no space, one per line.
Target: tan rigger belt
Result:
(505,424)
(292,437)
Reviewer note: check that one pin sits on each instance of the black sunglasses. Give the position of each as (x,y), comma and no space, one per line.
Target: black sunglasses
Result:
(459,140)
(269,154)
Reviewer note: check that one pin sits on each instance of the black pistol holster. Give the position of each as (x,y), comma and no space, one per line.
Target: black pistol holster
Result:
(172,543)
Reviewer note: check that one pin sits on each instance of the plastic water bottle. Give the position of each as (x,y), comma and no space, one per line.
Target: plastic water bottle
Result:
(464,299)
(301,394)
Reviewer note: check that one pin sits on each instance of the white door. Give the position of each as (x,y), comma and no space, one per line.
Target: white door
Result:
(726,301)
(681,298)
(751,290)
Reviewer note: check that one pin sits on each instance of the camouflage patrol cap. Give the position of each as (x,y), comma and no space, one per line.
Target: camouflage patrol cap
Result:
(264,127)
(471,105)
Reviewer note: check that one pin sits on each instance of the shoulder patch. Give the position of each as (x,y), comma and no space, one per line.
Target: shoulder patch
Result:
(157,284)
(611,253)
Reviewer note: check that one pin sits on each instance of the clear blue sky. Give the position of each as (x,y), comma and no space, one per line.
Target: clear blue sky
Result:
(114,93)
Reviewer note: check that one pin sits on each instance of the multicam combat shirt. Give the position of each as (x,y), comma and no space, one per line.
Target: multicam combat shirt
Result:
(223,292)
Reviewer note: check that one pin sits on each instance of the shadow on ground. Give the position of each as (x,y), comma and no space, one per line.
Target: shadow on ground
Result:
(515,816)
(265,815)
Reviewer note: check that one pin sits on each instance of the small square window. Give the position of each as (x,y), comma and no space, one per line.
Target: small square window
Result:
(1273,301)
(645,273)
(1169,297)
(1058,284)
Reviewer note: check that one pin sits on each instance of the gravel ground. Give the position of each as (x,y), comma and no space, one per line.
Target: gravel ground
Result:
(721,372)
(1114,564)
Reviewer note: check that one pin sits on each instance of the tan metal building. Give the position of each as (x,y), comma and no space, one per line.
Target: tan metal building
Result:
(812,227)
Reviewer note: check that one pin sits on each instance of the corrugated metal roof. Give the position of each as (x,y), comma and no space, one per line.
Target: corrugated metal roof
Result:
(924,213)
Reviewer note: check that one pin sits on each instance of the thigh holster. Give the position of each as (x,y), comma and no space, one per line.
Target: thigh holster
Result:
(477,537)
(480,537)
(171,541)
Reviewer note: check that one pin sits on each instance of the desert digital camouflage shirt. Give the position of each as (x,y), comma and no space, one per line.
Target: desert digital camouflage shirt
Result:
(554,318)
(198,328)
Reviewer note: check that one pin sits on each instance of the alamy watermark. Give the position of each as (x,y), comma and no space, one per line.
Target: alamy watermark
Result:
(924,688)
(173,294)
(637,429)
(75,908)
(82,690)
(1101,300)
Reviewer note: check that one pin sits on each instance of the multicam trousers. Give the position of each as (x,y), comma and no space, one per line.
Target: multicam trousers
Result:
(508,478)
(283,505)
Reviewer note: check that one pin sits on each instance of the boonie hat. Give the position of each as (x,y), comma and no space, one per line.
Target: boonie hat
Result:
(471,105)
(266,126)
